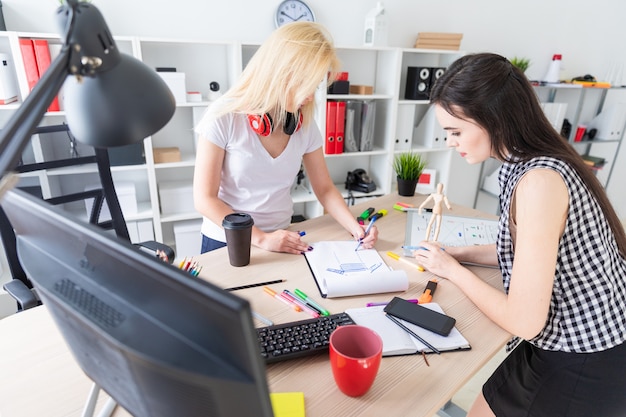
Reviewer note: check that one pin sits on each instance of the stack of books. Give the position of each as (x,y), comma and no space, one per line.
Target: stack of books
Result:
(438,40)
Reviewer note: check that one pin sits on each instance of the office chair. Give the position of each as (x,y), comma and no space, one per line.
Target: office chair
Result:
(20,287)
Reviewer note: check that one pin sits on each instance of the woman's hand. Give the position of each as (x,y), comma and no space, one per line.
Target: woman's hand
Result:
(435,259)
(281,241)
(369,240)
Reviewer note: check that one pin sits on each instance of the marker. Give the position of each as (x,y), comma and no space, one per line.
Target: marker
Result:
(418,248)
(301,304)
(406,261)
(309,300)
(369,226)
(262,319)
(366,213)
(412,300)
(302,233)
(429,291)
(281,298)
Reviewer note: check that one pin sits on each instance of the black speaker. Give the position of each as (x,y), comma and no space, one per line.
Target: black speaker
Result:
(418,83)
(436,74)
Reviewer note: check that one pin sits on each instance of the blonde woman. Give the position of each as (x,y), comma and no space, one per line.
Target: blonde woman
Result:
(254,139)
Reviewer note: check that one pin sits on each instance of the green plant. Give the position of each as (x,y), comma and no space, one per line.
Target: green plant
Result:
(409,165)
(521,63)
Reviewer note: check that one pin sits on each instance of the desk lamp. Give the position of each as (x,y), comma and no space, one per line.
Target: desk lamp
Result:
(112,99)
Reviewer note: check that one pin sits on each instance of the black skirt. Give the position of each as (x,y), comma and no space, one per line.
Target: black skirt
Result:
(533,382)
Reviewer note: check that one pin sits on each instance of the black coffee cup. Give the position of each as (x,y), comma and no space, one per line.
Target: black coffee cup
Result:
(238,229)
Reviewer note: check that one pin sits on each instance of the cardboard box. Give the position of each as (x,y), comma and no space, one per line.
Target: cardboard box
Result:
(163,155)
(176,82)
(176,197)
(188,238)
(361,89)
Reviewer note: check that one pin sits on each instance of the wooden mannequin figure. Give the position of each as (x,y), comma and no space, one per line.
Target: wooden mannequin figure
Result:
(438,198)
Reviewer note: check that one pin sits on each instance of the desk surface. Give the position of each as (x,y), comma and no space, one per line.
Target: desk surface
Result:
(39,377)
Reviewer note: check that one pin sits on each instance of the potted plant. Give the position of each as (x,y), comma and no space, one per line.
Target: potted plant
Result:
(521,63)
(408,167)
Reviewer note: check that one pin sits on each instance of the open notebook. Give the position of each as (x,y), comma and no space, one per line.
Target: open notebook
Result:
(396,341)
(340,271)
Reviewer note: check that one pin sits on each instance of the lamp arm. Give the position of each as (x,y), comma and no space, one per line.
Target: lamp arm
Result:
(18,130)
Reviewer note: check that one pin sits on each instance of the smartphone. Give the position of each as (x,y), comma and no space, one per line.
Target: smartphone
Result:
(420,316)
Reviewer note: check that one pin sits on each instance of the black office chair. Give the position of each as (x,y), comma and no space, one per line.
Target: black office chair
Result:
(20,287)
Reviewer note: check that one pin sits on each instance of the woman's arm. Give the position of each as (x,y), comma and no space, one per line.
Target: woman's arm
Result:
(475,254)
(331,199)
(540,210)
(206,181)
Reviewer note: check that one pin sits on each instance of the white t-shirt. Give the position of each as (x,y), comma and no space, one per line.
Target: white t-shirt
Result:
(252,180)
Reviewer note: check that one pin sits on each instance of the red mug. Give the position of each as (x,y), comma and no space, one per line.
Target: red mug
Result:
(355,354)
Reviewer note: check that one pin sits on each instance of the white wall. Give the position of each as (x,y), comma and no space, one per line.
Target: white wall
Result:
(589,35)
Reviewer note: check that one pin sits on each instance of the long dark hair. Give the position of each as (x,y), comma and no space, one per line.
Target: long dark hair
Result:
(489,90)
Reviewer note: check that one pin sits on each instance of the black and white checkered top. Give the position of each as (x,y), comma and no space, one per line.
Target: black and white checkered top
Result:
(588,304)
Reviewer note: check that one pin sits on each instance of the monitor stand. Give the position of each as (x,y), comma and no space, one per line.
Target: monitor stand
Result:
(90,405)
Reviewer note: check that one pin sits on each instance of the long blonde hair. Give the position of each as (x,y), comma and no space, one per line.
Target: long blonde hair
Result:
(284,71)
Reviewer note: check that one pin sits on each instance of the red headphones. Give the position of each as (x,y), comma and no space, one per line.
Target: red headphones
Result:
(264,125)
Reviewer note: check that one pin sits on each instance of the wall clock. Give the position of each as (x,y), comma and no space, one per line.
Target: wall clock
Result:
(293,11)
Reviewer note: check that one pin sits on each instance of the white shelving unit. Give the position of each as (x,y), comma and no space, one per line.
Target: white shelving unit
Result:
(203,62)
(583,105)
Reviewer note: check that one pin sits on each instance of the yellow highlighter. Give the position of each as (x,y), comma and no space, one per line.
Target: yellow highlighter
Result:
(406,261)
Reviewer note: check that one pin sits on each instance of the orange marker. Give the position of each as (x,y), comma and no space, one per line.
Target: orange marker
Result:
(282,299)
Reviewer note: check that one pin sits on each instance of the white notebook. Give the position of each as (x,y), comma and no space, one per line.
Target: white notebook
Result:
(397,341)
(340,271)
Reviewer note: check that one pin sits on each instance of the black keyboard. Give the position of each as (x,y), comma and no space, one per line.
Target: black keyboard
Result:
(281,342)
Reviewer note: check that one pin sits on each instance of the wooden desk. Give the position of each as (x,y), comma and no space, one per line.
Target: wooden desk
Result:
(39,377)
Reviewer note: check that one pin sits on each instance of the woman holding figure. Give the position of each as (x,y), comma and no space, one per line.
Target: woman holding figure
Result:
(561,249)
(255,137)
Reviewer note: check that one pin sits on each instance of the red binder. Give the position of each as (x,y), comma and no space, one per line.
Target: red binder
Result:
(42,55)
(30,62)
(331,115)
(340,126)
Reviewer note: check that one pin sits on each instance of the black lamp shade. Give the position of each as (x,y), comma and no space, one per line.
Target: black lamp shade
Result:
(120,106)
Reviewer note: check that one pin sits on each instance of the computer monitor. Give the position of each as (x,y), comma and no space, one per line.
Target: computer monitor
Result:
(159,341)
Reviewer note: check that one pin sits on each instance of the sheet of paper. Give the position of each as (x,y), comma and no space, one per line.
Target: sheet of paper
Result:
(341,271)
(454,231)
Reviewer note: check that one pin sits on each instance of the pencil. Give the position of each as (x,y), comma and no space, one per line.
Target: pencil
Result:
(409,331)
(257,284)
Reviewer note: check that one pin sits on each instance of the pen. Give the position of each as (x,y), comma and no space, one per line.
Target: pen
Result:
(412,300)
(409,331)
(406,261)
(312,302)
(301,304)
(281,298)
(369,226)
